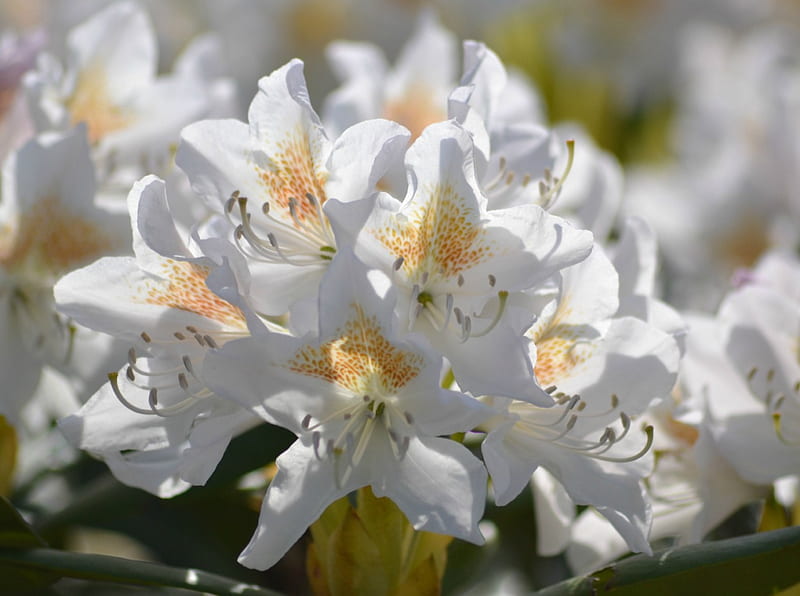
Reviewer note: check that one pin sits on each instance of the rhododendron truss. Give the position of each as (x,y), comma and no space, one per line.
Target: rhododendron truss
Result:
(378,329)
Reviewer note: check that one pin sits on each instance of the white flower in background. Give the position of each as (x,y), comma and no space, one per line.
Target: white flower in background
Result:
(757,424)
(156,423)
(367,409)
(50,224)
(422,89)
(602,370)
(414,92)
(110,83)
(731,193)
(273,179)
(454,263)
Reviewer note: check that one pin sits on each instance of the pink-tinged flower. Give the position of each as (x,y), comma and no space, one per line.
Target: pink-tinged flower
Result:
(455,263)
(17,56)
(274,178)
(156,423)
(49,225)
(367,409)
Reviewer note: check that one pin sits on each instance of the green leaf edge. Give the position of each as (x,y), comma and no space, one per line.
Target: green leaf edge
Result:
(708,564)
(125,571)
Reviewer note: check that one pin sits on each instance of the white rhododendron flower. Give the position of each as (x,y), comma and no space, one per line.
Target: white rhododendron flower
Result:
(455,263)
(157,415)
(274,177)
(49,225)
(414,92)
(602,370)
(367,409)
(693,487)
(759,329)
(109,82)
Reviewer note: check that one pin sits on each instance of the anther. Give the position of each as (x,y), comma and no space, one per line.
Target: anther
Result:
(179,336)
(409,418)
(210,341)
(492,280)
(129,374)
(183,382)
(152,398)
(191,329)
(460,280)
(145,337)
(398,262)
(187,363)
(316,437)
(306,422)
(752,373)
(550,389)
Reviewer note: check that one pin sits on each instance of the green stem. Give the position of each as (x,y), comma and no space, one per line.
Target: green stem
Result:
(125,571)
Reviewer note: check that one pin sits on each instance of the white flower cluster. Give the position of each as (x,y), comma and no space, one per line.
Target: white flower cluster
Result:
(421,270)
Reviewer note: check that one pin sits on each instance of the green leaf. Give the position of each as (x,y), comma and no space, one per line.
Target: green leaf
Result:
(15,532)
(114,569)
(758,564)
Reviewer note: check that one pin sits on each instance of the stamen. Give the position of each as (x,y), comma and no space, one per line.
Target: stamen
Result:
(550,190)
(503,299)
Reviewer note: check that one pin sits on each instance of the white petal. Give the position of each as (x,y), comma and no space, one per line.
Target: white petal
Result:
(439,485)
(555,513)
(301,490)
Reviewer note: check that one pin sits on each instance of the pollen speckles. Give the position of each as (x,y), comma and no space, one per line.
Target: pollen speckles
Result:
(48,236)
(292,174)
(90,103)
(187,290)
(443,235)
(360,359)
(559,352)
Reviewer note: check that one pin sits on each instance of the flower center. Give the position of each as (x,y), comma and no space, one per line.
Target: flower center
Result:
(305,239)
